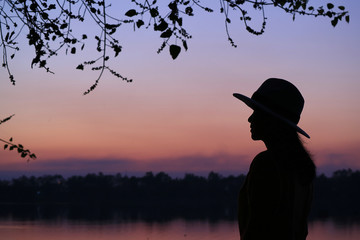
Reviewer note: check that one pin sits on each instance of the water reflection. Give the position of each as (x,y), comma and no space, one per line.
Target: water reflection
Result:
(331,229)
(99,223)
(176,229)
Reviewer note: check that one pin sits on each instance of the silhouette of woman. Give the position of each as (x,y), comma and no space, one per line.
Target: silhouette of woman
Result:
(275,199)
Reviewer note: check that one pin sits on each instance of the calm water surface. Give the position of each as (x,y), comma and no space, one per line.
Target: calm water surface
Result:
(139,230)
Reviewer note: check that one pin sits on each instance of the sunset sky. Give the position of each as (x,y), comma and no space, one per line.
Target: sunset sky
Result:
(179,116)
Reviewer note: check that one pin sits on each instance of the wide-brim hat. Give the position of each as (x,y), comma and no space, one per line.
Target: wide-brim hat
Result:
(280,98)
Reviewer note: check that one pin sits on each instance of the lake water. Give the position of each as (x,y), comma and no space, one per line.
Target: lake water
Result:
(178,229)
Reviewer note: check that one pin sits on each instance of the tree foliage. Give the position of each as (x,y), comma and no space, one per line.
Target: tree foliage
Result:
(49,26)
(24,153)
(211,196)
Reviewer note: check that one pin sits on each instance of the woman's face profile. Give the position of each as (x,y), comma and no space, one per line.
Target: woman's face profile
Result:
(260,125)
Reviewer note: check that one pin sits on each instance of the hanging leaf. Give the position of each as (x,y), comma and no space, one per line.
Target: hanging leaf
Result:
(174,51)
(189,11)
(63,26)
(80,67)
(154,12)
(166,34)
(334,22)
(185,45)
(131,13)
(162,26)
(330,6)
(73,50)
(139,23)
(117,49)
(180,21)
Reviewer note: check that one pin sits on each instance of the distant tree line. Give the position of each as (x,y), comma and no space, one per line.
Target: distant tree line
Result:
(159,194)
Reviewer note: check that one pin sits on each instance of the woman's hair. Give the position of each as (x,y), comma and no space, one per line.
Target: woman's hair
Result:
(301,160)
(296,158)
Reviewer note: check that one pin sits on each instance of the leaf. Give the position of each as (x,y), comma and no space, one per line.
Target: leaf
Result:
(139,23)
(330,6)
(131,13)
(185,45)
(342,8)
(42,63)
(6,119)
(162,26)
(44,15)
(329,14)
(347,18)
(189,11)
(33,6)
(167,33)
(11,139)
(117,49)
(63,26)
(80,67)
(52,6)
(154,12)
(23,154)
(180,21)
(5,146)
(334,22)
(174,51)
(73,50)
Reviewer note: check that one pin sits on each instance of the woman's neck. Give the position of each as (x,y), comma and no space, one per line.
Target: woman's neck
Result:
(278,143)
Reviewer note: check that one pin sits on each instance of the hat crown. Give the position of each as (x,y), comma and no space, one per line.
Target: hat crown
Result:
(282,97)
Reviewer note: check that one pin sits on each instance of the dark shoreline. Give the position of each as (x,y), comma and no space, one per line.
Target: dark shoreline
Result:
(158,197)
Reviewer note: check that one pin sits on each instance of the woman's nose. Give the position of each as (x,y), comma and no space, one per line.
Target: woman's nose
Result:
(250,118)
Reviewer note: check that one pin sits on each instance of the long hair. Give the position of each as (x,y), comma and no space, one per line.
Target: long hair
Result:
(302,161)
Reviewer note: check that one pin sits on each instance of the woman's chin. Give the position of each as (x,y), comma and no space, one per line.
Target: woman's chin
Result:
(254,137)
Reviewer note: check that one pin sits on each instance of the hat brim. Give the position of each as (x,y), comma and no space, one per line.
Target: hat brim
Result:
(258,106)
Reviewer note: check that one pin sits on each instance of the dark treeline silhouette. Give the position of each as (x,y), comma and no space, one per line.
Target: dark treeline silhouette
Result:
(159,196)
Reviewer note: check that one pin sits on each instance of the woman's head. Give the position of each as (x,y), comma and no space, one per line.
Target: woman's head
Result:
(266,127)
(279,102)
